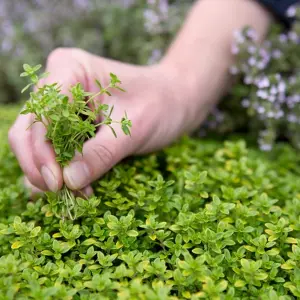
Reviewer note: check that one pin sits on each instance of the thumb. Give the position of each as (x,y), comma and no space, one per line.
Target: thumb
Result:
(99,155)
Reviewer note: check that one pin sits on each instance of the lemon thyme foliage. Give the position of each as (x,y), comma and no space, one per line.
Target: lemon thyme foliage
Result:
(69,122)
(199,220)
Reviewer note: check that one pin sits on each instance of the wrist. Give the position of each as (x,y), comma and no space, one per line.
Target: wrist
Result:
(199,88)
(201,54)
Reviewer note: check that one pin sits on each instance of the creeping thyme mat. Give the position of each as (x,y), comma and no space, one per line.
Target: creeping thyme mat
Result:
(202,219)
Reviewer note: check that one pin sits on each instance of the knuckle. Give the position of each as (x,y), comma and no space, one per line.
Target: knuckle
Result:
(37,146)
(63,52)
(33,177)
(102,155)
(57,53)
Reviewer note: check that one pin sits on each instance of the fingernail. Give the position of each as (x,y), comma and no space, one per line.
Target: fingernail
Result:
(88,191)
(77,175)
(49,178)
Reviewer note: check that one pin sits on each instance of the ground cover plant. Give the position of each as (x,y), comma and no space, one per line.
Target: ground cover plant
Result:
(200,220)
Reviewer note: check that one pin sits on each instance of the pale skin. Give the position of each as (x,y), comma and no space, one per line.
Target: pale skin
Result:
(163,101)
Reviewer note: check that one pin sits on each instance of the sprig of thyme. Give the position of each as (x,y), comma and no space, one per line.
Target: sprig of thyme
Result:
(69,123)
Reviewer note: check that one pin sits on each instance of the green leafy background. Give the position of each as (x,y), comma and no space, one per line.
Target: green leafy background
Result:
(202,219)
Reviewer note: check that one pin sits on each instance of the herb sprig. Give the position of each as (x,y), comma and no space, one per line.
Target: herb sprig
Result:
(69,122)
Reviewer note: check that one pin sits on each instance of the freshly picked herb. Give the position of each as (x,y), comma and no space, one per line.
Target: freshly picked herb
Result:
(69,122)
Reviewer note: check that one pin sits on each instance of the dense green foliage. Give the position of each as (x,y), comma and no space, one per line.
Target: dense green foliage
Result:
(200,219)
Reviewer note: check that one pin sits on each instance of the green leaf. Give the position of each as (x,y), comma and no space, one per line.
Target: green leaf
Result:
(26,88)
(17,245)
(34,232)
(198,251)
(89,242)
(24,74)
(98,83)
(27,68)
(47,253)
(273,252)
(239,283)
(261,276)
(132,233)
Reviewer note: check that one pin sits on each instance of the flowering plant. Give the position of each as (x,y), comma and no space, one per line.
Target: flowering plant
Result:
(267,87)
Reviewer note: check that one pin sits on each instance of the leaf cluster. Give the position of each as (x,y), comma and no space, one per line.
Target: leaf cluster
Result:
(199,220)
(69,122)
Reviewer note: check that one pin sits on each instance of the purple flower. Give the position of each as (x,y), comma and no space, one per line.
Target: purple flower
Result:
(151,19)
(233,70)
(246,103)
(251,49)
(272,98)
(252,61)
(164,8)
(292,118)
(248,80)
(239,36)
(281,87)
(273,90)
(251,33)
(280,114)
(261,65)
(83,4)
(278,76)
(263,83)
(291,12)
(276,53)
(296,98)
(293,36)
(6,45)
(155,56)
(264,53)
(265,147)
(281,98)
(261,109)
(235,49)
(262,94)
(283,38)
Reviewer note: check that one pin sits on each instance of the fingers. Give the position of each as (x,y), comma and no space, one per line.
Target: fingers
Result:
(34,191)
(84,193)
(44,158)
(65,70)
(99,155)
(20,143)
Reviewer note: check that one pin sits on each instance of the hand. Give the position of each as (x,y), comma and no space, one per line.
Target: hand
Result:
(163,101)
(153,100)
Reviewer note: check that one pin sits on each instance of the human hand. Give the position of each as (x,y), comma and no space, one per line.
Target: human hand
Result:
(154,102)
(163,101)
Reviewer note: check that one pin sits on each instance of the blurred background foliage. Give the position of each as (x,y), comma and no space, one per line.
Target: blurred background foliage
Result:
(135,31)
